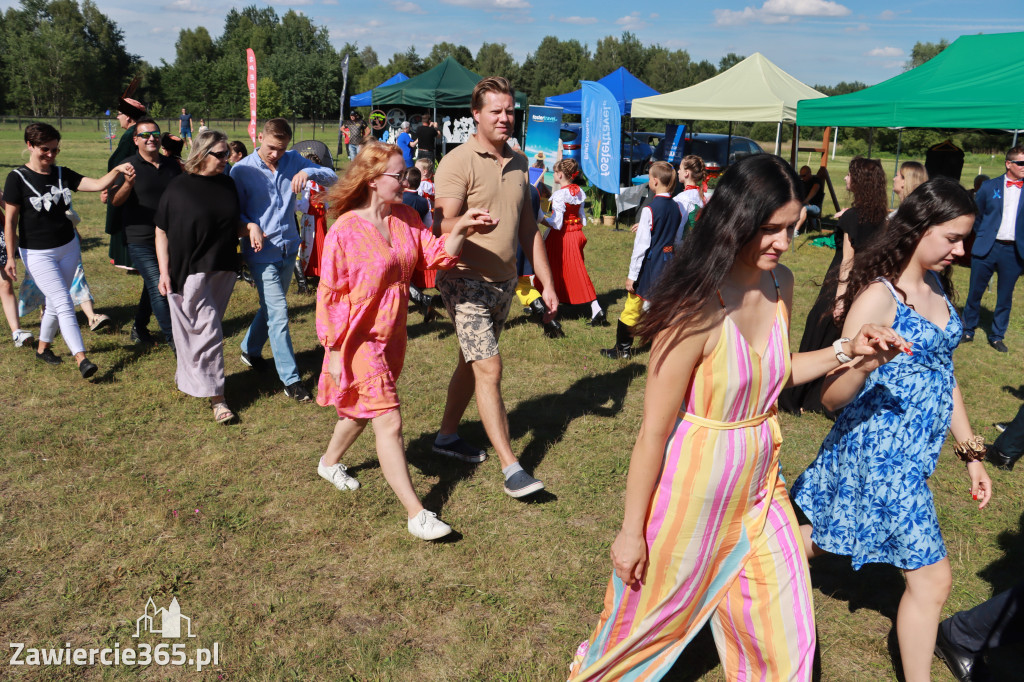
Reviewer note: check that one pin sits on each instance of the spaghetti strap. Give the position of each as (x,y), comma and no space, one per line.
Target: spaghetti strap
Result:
(892,290)
(776,282)
(720,299)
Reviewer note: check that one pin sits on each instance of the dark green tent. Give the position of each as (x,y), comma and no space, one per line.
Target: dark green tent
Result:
(976,82)
(447,85)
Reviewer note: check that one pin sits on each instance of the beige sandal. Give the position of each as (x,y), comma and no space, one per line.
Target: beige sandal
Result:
(222,414)
(99,322)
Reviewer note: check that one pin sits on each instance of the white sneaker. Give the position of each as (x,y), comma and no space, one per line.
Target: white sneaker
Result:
(426,526)
(337,476)
(21,337)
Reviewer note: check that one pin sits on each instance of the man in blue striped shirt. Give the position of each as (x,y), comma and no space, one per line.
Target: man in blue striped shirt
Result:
(267,182)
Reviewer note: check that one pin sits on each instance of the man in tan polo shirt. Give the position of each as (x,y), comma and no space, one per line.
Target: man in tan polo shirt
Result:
(486,173)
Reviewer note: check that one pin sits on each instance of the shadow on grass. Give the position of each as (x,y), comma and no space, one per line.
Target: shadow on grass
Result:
(1007,661)
(238,323)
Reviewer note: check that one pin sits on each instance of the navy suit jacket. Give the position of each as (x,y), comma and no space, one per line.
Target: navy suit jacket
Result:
(990,215)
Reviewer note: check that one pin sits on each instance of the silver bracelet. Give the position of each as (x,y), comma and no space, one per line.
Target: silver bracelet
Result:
(837,346)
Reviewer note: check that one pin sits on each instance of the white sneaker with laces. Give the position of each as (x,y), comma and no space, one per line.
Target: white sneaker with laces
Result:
(426,526)
(21,337)
(337,476)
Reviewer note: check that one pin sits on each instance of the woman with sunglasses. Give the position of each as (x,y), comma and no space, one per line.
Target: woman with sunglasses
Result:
(38,201)
(369,256)
(197,231)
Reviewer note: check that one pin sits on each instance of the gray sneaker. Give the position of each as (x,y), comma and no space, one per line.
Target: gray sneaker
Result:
(521,484)
(461,450)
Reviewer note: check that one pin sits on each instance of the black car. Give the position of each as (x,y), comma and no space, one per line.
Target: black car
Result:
(711,147)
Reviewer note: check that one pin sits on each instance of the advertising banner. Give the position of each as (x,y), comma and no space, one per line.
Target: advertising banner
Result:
(542,143)
(250,59)
(673,144)
(601,142)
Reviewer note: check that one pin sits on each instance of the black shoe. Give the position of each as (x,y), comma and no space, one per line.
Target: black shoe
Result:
(552,329)
(623,349)
(599,320)
(255,361)
(960,662)
(48,357)
(87,368)
(967,337)
(1000,459)
(999,346)
(298,392)
(141,335)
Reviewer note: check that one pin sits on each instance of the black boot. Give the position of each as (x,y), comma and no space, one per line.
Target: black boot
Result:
(435,305)
(300,279)
(623,349)
(552,329)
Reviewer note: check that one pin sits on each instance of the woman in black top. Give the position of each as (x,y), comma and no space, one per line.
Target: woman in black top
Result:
(857,225)
(38,199)
(198,227)
(426,138)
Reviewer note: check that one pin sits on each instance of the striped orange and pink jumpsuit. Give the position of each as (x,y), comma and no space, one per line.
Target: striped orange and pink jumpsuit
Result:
(722,539)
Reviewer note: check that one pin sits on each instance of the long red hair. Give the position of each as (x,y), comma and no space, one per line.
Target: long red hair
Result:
(352,189)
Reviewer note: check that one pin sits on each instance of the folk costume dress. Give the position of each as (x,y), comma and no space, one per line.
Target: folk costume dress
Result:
(426,279)
(313,228)
(867,492)
(362,303)
(565,242)
(723,542)
(692,199)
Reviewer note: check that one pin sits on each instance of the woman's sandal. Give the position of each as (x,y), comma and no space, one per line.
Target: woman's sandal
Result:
(99,322)
(222,414)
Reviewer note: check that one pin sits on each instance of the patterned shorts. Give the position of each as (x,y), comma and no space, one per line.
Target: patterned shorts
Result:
(479,310)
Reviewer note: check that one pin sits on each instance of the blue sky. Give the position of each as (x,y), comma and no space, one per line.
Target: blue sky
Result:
(817,41)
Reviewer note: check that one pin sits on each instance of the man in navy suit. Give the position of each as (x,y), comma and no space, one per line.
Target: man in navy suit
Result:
(998,247)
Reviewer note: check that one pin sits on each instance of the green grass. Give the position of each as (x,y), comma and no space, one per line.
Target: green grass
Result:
(123,488)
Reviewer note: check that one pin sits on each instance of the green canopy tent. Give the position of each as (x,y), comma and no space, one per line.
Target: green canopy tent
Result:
(447,85)
(974,83)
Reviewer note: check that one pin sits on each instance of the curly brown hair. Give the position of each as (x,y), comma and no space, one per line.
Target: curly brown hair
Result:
(935,202)
(867,183)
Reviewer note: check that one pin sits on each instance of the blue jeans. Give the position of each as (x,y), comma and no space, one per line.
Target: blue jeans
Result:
(144,260)
(1003,260)
(271,321)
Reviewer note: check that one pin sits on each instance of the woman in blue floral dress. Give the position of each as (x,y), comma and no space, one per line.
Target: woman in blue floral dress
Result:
(866,495)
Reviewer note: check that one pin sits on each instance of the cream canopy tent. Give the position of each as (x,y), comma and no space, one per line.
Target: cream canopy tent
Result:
(754,90)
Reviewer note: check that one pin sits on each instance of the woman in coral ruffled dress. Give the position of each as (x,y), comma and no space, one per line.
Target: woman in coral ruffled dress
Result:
(369,255)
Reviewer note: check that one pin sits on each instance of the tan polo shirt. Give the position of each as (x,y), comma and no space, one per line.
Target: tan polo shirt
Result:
(477,178)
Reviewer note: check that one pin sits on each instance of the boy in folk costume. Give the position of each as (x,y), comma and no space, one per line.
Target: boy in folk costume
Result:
(661,226)
(312,224)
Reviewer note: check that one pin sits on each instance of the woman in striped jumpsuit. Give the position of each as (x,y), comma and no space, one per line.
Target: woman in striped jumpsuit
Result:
(708,530)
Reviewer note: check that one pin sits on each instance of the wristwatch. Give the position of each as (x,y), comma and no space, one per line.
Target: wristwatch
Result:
(837,346)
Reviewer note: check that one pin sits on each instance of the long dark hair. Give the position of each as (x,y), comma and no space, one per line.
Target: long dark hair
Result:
(867,183)
(935,202)
(750,191)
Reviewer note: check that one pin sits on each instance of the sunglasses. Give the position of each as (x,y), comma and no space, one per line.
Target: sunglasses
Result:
(1016,163)
(396,176)
(147,135)
(222,156)
(49,150)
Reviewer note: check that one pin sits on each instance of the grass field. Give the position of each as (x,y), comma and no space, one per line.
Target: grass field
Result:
(121,489)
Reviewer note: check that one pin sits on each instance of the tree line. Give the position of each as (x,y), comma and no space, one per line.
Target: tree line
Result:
(66,58)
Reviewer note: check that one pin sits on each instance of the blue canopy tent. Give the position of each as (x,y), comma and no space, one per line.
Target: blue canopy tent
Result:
(623,85)
(365,99)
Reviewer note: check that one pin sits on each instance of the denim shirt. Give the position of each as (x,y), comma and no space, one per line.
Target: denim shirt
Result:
(267,199)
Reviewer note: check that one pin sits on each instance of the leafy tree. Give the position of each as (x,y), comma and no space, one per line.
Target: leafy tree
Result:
(194,45)
(408,62)
(493,59)
(728,61)
(922,52)
(611,53)
(269,102)
(368,57)
(556,67)
(443,50)
(843,88)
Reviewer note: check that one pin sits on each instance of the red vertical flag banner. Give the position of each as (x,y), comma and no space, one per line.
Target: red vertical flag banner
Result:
(250,58)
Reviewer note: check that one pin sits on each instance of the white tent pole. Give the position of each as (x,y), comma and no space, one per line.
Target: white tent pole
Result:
(835,141)
(778,137)
(896,166)
(1014,138)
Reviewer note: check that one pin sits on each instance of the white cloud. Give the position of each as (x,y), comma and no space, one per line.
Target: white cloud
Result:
(631,22)
(887,15)
(578,21)
(781,11)
(858,28)
(490,4)
(889,52)
(187,6)
(407,7)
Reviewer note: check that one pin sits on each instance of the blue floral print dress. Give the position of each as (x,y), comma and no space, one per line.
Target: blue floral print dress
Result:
(866,493)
